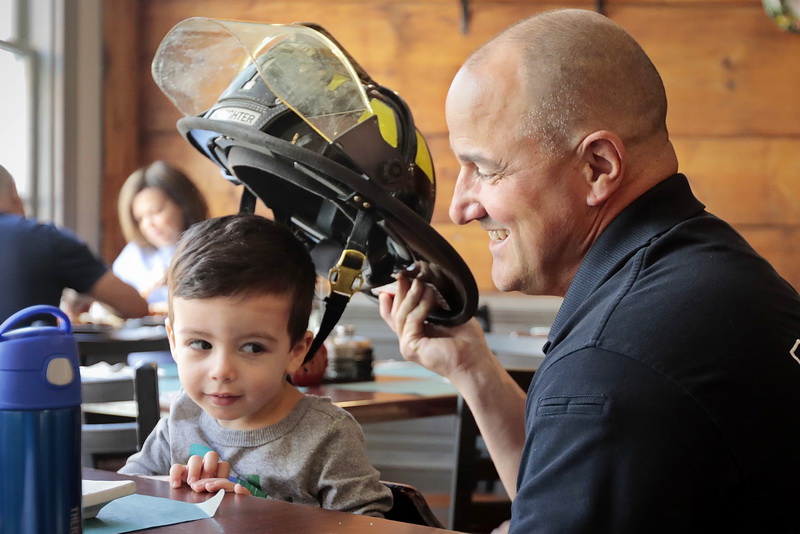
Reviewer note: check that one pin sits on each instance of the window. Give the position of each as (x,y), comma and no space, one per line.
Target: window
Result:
(50,108)
(16,111)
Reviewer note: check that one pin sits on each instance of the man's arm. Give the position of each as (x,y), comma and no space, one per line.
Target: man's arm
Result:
(123,300)
(498,405)
(462,355)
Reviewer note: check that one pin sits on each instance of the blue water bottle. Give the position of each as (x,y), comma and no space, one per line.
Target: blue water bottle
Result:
(40,426)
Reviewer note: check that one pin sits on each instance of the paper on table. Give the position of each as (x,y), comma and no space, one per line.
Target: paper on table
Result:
(210,506)
(137,512)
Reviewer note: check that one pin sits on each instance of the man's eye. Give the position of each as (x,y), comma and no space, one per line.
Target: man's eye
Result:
(253,348)
(200,344)
(484,175)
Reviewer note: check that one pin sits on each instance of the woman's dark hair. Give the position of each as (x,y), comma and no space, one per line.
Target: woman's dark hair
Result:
(240,255)
(170,181)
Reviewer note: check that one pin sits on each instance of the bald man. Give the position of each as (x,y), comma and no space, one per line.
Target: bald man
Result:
(37,261)
(669,397)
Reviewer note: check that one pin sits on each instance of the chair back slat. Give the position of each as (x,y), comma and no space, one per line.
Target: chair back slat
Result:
(116,435)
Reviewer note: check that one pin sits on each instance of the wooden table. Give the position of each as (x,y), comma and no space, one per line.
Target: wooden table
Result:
(242,514)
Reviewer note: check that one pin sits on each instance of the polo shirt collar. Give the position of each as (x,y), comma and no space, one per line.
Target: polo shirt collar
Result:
(659,209)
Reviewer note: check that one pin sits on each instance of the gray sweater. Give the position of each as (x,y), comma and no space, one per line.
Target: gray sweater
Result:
(315,456)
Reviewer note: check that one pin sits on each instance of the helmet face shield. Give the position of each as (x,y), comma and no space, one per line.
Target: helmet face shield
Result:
(285,111)
(199,58)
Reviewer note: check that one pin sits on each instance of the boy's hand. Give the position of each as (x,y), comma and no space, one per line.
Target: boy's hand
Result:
(213,485)
(198,468)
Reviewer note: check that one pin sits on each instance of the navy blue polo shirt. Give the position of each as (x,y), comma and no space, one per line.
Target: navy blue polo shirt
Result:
(669,399)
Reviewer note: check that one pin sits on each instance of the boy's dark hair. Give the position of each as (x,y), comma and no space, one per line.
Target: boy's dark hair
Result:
(240,255)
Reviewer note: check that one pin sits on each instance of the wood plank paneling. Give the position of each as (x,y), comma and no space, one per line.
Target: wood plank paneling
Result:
(746,181)
(731,76)
(121,147)
(779,246)
(727,70)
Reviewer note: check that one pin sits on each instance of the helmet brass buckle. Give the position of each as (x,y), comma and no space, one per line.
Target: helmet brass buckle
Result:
(345,277)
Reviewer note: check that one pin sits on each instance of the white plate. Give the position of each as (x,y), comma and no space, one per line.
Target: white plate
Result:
(98,493)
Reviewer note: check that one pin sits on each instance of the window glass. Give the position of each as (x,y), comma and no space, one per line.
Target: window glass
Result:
(8,17)
(15,121)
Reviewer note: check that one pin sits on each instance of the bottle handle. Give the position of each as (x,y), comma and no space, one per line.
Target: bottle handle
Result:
(40,309)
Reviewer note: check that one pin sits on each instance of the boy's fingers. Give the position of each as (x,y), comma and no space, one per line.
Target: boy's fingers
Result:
(223,470)
(194,468)
(213,485)
(210,465)
(176,475)
(241,490)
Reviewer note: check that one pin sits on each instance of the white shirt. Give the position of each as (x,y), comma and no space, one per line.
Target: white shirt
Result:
(145,269)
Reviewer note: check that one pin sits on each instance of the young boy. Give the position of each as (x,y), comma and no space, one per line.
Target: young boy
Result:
(240,295)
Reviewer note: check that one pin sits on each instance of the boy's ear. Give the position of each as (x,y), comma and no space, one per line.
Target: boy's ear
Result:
(299,352)
(170,336)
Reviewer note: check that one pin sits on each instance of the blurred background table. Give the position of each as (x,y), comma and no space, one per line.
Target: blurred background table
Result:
(401,390)
(112,344)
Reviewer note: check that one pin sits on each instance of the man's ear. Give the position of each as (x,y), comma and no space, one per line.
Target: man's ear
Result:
(170,336)
(299,352)
(603,157)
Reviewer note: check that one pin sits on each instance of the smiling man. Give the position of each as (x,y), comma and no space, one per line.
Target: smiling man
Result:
(669,399)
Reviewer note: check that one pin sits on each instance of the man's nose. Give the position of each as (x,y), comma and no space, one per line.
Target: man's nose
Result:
(465,206)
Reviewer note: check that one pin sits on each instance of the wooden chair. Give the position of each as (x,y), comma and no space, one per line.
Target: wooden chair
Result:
(115,435)
(478,503)
(410,506)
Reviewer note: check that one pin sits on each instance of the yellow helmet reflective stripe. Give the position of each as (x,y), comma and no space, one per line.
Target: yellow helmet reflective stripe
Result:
(387,122)
(423,158)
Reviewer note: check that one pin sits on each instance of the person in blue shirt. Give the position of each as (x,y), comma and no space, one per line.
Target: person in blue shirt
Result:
(38,261)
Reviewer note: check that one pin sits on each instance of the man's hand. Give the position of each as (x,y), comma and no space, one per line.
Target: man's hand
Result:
(205,474)
(461,354)
(446,351)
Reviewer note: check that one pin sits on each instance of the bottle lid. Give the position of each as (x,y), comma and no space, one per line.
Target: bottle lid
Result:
(39,365)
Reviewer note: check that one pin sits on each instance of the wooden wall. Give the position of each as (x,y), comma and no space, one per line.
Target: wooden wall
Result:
(732,79)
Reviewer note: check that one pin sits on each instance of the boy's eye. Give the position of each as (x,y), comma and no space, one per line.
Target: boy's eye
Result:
(200,344)
(253,348)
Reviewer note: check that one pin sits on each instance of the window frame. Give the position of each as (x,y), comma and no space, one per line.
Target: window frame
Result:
(63,40)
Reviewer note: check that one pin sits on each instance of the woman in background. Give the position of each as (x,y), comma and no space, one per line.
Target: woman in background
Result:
(156,204)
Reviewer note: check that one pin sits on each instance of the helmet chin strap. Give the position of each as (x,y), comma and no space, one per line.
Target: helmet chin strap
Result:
(247,204)
(345,278)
